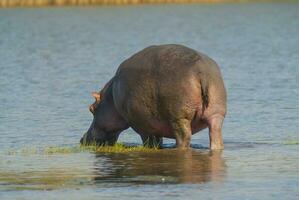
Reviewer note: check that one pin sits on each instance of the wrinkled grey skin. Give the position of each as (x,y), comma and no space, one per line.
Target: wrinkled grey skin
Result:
(162,91)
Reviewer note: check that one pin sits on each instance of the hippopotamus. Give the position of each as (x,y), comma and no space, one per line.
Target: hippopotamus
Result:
(169,91)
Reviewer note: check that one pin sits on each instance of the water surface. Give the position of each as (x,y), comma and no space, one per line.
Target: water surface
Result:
(52,58)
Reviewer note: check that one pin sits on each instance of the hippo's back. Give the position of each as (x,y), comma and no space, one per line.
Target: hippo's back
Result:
(159,62)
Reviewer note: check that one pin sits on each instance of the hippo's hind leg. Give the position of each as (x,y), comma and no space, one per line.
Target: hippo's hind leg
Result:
(182,132)
(215,126)
(151,141)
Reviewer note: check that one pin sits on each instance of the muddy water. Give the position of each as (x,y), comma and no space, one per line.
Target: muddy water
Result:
(51,59)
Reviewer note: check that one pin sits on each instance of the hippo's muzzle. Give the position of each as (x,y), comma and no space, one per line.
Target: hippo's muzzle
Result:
(87,139)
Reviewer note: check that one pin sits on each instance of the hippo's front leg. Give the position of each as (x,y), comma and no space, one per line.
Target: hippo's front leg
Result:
(151,141)
(215,126)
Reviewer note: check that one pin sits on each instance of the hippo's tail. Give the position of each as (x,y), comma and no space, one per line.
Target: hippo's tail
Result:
(204,94)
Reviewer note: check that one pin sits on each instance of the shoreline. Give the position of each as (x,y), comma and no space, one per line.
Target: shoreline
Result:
(59,3)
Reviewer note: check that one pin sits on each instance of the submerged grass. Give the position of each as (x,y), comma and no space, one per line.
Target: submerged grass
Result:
(292,142)
(117,148)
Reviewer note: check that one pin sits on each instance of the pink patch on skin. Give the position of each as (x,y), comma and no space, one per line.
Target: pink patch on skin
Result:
(198,123)
(161,128)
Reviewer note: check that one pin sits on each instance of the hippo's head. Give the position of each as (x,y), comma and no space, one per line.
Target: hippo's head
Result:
(100,131)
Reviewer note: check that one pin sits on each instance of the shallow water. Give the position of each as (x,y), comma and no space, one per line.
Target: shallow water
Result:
(52,58)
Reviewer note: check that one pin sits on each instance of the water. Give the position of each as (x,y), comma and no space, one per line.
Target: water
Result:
(52,58)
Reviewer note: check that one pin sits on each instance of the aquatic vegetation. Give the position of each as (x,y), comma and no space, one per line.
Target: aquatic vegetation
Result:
(61,149)
(117,148)
(292,142)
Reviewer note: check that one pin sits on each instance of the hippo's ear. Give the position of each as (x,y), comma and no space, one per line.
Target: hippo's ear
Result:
(96,95)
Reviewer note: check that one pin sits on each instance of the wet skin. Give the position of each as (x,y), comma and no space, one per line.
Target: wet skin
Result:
(167,91)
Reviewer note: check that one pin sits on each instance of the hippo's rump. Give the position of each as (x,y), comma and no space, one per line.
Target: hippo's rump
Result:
(160,84)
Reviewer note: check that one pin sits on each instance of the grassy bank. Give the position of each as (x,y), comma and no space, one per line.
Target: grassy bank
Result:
(34,3)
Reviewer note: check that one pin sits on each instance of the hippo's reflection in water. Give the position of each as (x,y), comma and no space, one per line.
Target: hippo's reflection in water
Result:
(164,166)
